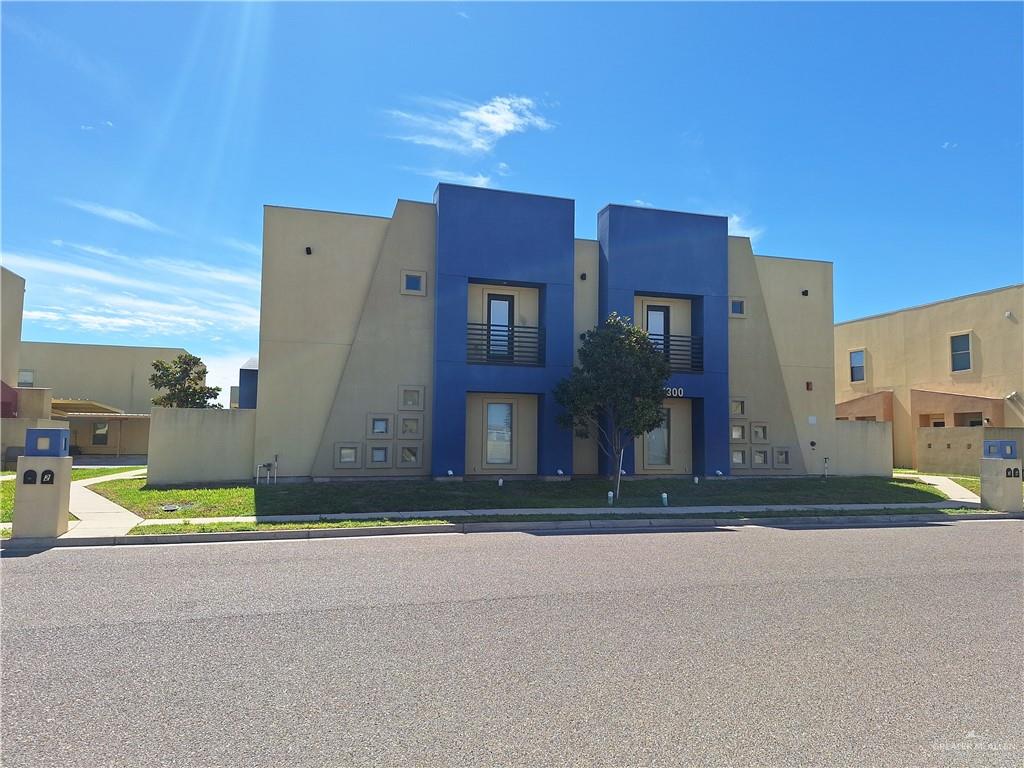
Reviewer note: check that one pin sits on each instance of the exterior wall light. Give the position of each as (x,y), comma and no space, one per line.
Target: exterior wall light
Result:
(309,251)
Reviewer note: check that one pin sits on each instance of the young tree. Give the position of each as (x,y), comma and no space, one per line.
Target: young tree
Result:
(617,389)
(184,378)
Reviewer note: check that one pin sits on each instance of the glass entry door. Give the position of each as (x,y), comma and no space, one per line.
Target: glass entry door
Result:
(500,314)
(657,326)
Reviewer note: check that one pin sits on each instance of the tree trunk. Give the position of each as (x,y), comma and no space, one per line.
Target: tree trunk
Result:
(618,475)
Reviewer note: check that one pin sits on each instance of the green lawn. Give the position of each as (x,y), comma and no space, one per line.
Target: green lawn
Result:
(141,530)
(429,495)
(7,488)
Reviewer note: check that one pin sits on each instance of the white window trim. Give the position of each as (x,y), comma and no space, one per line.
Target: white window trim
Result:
(662,467)
(514,446)
(744,313)
(737,399)
(388,462)
(768,456)
(401,400)
(417,435)
(357,464)
(745,464)
(746,431)
(418,445)
(849,365)
(423,282)
(767,432)
(371,435)
(776,464)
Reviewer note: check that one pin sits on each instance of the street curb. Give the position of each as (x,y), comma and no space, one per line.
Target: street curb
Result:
(536,526)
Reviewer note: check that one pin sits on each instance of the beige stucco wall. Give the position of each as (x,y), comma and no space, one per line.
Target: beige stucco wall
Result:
(524,434)
(679,314)
(113,375)
(958,450)
(525,305)
(34,402)
(309,312)
(201,445)
(392,348)
(12,304)
(585,304)
(861,448)
(909,349)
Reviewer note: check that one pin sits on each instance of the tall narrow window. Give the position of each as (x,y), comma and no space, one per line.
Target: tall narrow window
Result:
(657,443)
(857,365)
(960,352)
(499,433)
(500,313)
(100,432)
(657,326)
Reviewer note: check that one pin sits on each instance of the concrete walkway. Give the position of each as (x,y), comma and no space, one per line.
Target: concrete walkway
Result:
(954,491)
(96,515)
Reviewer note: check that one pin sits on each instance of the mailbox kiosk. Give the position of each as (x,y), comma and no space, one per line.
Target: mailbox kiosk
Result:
(43,491)
(1001,476)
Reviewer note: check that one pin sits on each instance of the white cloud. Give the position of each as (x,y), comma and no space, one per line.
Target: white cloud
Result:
(468,128)
(455,177)
(40,314)
(86,128)
(643,203)
(949,145)
(252,249)
(119,215)
(108,124)
(504,169)
(739,228)
(462,14)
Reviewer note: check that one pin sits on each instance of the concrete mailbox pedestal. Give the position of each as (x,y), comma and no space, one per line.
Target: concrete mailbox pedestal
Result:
(1001,476)
(43,491)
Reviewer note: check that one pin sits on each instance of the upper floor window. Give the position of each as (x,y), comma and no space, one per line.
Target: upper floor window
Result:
(26,378)
(857,365)
(414,282)
(960,352)
(737,307)
(657,325)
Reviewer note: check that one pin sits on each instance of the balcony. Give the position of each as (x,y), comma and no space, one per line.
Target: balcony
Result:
(685,354)
(504,344)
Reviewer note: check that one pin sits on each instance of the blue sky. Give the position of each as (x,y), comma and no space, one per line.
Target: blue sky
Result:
(140,141)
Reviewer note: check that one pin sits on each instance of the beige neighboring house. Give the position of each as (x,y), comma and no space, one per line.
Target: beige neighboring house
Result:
(101,390)
(948,375)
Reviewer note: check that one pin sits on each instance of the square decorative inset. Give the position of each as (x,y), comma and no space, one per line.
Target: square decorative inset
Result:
(739,457)
(760,458)
(738,431)
(410,426)
(414,282)
(738,407)
(411,397)
(781,458)
(410,454)
(379,456)
(758,432)
(737,306)
(347,455)
(380,426)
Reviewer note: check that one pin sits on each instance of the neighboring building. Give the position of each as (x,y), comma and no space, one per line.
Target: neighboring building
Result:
(951,365)
(429,343)
(248,383)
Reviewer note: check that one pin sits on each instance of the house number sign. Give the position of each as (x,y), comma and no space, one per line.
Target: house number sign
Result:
(674,392)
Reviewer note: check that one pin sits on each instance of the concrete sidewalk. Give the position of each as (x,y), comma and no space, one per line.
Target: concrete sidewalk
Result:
(954,491)
(96,515)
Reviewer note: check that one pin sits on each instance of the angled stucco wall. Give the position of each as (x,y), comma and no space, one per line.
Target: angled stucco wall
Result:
(12,304)
(392,349)
(200,445)
(309,311)
(585,317)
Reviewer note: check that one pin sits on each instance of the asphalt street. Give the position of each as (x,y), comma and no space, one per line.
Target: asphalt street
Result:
(758,646)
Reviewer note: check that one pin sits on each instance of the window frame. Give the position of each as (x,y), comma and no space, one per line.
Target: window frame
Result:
(404,444)
(741,424)
(357,447)
(745,451)
(32,383)
(666,319)
(511,463)
(386,462)
(106,433)
(767,458)
(421,274)
(863,365)
(667,425)
(374,417)
(776,464)
(969,352)
(399,426)
(742,300)
(419,388)
(754,425)
(509,352)
(743,407)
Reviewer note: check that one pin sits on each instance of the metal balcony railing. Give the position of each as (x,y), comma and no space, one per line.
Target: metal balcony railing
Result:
(504,344)
(685,354)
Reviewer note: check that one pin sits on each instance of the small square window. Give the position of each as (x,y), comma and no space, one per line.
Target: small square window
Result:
(346,455)
(380,426)
(738,432)
(379,454)
(409,454)
(26,378)
(738,408)
(410,427)
(782,458)
(737,307)
(411,397)
(739,457)
(759,433)
(414,282)
(760,458)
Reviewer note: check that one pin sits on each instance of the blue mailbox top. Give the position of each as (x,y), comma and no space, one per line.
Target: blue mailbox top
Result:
(999,449)
(47,442)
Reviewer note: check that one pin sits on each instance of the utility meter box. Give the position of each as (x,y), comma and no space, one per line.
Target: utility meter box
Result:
(1001,481)
(43,485)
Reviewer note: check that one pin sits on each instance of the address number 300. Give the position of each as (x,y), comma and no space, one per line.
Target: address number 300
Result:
(673,392)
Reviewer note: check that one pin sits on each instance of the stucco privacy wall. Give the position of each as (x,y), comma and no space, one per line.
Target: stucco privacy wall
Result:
(12,303)
(909,349)
(958,450)
(393,348)
(201,445)
(124,436)
(309,312)
(861,448)
(109,374)
(755,372)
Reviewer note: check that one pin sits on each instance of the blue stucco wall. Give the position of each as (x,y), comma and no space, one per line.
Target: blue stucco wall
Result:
(248,380)
(492,236)
(652,252)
